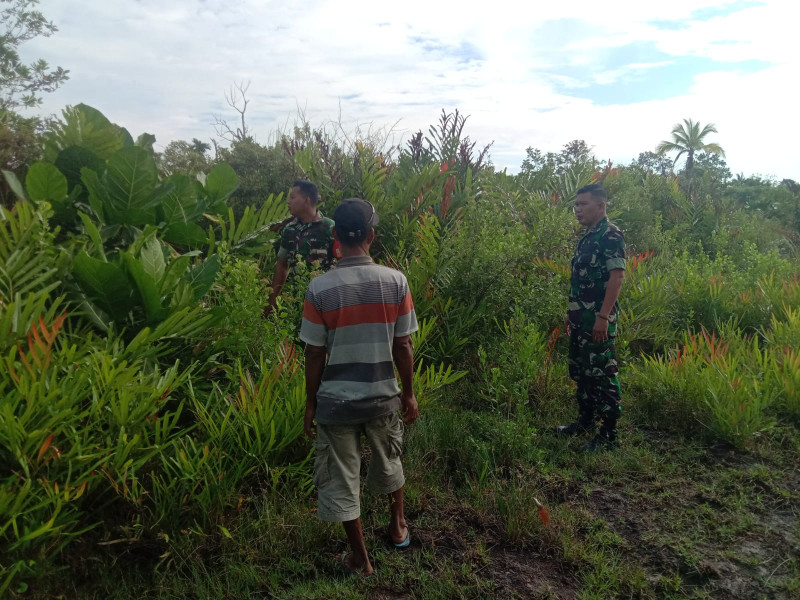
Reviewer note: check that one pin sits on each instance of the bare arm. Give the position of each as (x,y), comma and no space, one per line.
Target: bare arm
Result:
(613,288)
(278,279)
(403,356)
(315,364)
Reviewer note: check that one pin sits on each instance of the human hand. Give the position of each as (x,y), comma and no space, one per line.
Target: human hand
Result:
(600,329)
(409,408)
(308,422)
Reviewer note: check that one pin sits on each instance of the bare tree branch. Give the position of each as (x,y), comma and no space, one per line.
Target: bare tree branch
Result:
(236,98)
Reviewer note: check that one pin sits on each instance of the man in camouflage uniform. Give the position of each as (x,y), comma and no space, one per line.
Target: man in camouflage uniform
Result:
(307,236)
(598,269)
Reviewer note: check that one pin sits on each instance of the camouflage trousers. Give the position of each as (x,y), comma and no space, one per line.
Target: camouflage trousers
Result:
(593,366)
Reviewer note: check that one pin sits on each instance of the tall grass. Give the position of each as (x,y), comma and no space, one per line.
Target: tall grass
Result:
(727,386)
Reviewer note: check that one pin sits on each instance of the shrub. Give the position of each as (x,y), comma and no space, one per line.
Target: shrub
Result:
(647,305)
(238,432)
(783,338)
(97,308)
(81,427)
(491,256)
(724,384)
(519,365)
(240,294)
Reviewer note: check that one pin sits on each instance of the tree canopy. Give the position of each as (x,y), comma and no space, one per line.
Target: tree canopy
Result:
(688,138)
(21,84)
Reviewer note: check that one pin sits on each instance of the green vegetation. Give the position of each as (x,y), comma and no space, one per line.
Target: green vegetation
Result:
(21,85)
(689,139)
(151,420)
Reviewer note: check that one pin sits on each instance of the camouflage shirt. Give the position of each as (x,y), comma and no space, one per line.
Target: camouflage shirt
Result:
(600,250)
(310,241)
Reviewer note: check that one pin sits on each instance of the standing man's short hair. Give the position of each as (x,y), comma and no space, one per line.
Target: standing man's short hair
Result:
(309,189)
(596,190)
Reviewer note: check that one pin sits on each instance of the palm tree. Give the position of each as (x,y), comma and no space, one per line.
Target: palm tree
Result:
(199,146)
(689,138)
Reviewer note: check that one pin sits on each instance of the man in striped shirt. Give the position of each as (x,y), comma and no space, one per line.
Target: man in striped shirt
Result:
(361,316)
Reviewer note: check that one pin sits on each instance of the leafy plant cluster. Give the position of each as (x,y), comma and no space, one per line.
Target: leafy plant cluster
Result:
(520,367)
(486,257)
(730,387)
(144,396)
(143,392)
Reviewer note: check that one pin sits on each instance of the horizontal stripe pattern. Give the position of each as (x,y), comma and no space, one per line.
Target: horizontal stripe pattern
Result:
(355,351)
(367,292)
(360,372)
(356,310)
(406,324)
(344,336)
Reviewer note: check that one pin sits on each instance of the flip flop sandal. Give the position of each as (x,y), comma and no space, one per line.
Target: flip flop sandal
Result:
(405,543)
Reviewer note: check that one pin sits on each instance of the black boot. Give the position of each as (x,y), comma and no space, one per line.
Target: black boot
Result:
(604,440)
(576,428)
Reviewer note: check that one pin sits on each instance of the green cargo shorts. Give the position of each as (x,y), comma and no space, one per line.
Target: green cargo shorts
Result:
(338,463)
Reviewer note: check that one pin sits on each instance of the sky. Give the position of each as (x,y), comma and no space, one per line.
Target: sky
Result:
(618,74)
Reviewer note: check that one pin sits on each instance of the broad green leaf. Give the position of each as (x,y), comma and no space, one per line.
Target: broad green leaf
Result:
(14,184)
(105,283)
(131,177)
(87,308)
(45,182)
(202,276)
(94,234)
(71,160)
(152,258)
(220,207)
(182,295)
(64,210)
(174,272)
(200,192)
(159,195)
(127,138)
(180,204)
(87,127)
(109,232)
(146,286)
(98,199)
(142,238)
(185,234)
(220,183)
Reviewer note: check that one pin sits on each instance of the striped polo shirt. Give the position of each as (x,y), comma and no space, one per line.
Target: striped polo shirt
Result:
(356,310)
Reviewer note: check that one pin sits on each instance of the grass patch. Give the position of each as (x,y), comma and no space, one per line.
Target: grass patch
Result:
(663,517)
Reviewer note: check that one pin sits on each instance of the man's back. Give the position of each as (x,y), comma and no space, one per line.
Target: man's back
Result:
(355,311)
(361,315)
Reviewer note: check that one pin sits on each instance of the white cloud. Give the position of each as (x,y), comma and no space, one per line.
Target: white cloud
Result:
(628,71)
(764,32)
(753,124)
(163,68)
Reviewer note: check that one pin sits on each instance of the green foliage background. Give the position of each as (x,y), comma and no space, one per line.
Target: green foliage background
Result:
(144,398)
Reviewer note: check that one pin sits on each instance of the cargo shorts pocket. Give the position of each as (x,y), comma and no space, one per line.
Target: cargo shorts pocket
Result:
(394,438)
(322,453)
